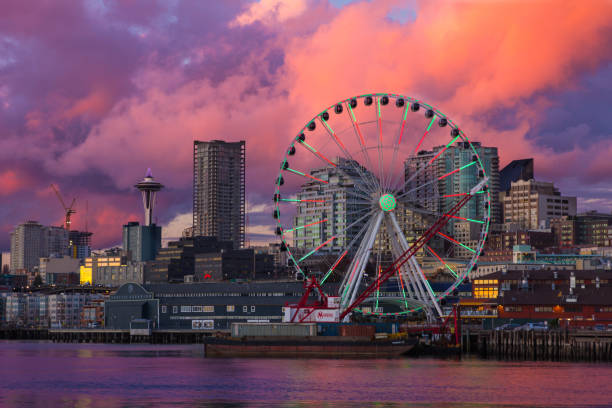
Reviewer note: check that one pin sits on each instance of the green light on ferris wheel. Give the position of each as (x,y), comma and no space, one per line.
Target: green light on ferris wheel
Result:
(387,202)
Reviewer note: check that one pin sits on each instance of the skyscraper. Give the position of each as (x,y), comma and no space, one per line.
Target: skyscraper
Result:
(219,190)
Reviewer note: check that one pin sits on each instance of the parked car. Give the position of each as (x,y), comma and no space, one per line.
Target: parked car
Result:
(539,326)
(599,327)
(507,326)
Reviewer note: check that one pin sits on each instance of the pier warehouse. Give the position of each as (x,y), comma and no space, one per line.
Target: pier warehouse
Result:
(200,305)
(216,305)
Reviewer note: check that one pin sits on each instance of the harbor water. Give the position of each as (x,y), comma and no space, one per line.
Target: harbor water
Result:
(43,374)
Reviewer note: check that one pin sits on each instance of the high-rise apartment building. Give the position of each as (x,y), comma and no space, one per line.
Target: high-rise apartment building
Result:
(532,204)
(26,246)
(31,241)
(219,190)
(428,194)
(327,210)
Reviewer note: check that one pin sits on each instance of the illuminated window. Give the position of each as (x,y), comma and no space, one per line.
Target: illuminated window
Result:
(230,308)
(164,309)
(208,309)
(174,309)
(252,309)
(245,309)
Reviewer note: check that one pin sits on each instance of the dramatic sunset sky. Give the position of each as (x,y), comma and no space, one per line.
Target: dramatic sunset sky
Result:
(93,92)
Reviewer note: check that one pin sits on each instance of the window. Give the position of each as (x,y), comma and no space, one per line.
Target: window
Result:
(543,309)
(185,309)
(208,309)
(245,309)
(230,308)
(164,309)
(174,309)
(252,309)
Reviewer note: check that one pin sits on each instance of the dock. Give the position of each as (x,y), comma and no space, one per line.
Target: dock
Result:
(549,345)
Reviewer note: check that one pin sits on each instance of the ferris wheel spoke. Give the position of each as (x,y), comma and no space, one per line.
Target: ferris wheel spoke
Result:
(335,236)
(314,151)
(348,247)
(416,149)
(364,198)
(381,167)
(306,226)
(299,173)
(297,200)
(342,147)
(422,169)
(349,214)
(447,266)
(420,186)
(362,238)
(363,148)
(454,241)
(392,177)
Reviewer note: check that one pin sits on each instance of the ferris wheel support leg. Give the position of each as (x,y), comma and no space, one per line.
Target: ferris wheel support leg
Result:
(430,291)
(414,266)
(362,256)
(401,245)
(396,251)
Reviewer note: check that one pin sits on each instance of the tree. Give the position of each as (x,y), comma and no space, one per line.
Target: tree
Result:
(37,281)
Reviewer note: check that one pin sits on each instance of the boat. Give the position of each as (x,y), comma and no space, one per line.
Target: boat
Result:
(307,347)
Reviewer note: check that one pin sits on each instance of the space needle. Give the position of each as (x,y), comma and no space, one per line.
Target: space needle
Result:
(148,187)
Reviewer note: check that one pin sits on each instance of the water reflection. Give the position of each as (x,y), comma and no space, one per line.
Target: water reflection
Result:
(37,374)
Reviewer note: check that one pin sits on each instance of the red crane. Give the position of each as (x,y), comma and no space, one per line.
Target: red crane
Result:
(67,210)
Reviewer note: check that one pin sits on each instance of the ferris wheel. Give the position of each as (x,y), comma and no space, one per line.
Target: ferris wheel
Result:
(368,180)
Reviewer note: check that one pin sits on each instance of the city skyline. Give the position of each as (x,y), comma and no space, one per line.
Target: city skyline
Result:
(155,84)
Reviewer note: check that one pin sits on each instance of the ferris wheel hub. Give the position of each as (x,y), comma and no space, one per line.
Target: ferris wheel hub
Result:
(387,202)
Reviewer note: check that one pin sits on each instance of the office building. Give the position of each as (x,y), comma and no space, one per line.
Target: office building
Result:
(516,170)
(141,242)
(112,269)
(219,190)
(59,270)
(593,228)
(178,260)
(532,204)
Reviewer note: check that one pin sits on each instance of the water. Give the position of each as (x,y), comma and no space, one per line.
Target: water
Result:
(39,374)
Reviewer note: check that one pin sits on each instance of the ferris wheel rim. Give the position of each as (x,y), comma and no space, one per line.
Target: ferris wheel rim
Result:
(347,104)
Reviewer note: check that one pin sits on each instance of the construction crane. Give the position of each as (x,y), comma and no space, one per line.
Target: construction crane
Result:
(68,210)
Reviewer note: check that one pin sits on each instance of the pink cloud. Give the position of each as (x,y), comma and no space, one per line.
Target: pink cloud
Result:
(143,102)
